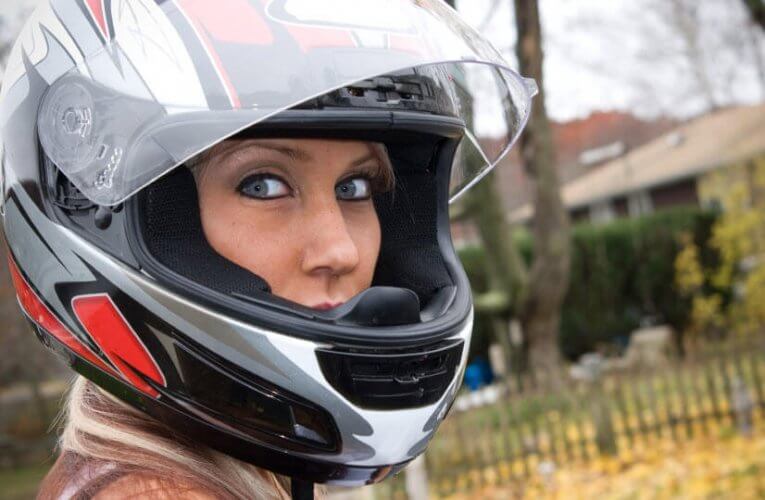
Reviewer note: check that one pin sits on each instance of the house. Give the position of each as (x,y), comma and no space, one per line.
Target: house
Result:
(581,146)
(670,170)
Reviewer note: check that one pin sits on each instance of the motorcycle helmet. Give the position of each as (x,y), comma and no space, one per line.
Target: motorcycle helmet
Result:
(103,105)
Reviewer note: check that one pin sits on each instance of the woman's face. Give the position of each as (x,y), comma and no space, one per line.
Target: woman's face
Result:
(296,212)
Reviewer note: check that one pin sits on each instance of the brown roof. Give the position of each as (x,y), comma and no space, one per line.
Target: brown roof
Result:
(571,139)
(708,142)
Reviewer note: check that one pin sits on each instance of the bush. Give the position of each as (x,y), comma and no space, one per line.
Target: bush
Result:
(621,272)
(624,271)
(473,260)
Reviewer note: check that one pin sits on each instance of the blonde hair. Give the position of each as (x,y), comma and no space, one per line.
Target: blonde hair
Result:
(102,433)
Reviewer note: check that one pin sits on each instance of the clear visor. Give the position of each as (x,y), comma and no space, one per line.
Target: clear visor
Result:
(176,78)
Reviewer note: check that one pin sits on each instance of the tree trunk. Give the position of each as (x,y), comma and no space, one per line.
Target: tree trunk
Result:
(757,10)
(483,204)
(549,276)
(504,265)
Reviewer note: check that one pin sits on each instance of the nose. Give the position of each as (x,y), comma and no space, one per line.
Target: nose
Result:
(329,249)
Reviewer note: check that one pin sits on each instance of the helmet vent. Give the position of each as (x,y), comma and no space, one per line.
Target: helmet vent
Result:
(406,91)
(391,381)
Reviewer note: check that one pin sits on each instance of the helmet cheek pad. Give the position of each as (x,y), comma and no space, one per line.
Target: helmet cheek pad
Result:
(411,255)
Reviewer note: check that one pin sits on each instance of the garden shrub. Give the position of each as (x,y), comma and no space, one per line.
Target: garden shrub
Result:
(621,273)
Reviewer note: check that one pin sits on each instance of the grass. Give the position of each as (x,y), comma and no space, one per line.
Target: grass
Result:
(21,483)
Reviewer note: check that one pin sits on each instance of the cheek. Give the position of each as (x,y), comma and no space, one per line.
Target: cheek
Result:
(365,232)
(252,238)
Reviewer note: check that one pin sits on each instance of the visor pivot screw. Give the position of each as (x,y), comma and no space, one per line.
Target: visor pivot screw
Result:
(77,121)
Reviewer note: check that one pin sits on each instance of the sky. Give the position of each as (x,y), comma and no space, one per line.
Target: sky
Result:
(622,54)
(605,55)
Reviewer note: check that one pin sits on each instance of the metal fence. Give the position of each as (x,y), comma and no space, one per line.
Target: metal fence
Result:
(527,429)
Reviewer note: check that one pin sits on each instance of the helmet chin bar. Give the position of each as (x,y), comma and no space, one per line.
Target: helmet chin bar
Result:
(375,306)
(381,306)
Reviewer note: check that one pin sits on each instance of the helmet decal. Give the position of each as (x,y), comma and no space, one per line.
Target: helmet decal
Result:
(207,32)
(350,15)
(98,15)
(108,327)
(40,314)
(153,43)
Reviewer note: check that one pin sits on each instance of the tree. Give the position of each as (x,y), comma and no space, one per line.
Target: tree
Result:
(684,16)
(535,296)
(505,269)
(548,279)
(709,48)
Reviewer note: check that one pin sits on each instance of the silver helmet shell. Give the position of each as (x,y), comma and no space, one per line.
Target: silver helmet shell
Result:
(104,101)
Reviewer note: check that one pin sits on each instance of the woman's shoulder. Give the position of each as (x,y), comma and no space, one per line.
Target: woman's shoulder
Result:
(147,486)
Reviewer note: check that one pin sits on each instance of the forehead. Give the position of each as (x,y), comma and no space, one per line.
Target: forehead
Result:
(302,150)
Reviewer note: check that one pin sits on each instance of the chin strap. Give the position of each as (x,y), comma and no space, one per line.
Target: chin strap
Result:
(301,490)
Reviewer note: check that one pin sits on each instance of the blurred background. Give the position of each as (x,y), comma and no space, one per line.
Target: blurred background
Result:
(617,256)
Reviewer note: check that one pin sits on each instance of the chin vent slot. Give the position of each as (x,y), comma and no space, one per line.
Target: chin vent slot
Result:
(392,380)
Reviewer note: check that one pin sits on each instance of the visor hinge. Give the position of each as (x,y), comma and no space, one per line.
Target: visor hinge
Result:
(68,197)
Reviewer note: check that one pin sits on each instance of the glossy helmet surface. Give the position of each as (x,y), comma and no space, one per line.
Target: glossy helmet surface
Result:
(103,103)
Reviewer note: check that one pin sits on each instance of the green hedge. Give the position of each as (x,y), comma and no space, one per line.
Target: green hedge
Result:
(473,260)
(620,272)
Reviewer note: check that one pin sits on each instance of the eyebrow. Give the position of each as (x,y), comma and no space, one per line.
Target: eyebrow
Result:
(302,155)
(363,159)
(292,153)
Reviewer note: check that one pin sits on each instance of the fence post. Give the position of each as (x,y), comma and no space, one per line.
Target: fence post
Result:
(742,406)
(605,437)
(417,479)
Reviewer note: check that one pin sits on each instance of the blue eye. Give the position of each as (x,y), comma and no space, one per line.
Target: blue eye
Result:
(355,189)
(264,187)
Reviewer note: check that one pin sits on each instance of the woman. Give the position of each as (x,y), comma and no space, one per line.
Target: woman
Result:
(279,311)
(250,191)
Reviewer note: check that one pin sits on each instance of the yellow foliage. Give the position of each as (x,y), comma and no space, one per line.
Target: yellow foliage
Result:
(739,239)
(689,276)
(707,311)
(701,468)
